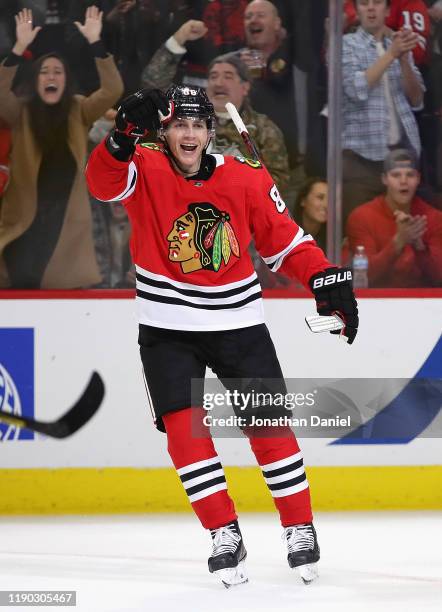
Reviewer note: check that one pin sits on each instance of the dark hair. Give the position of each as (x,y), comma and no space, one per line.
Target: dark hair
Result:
(303,192)
(234,60)
(49,122)
(306,187)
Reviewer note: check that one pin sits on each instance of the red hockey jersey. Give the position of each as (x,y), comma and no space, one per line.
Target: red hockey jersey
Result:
(190,237)
(412,14)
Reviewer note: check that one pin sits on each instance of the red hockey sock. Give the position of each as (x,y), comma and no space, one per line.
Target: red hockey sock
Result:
(280,459)
(198,465)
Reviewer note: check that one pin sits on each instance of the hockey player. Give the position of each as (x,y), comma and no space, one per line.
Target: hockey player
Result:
(199,301)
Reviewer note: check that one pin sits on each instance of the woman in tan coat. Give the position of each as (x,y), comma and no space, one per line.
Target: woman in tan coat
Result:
(45,218)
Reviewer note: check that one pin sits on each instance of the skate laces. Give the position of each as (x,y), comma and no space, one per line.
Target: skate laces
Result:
(299,537)
(225,540)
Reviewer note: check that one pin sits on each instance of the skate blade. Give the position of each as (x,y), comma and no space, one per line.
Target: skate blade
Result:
(308,572)
(232,576)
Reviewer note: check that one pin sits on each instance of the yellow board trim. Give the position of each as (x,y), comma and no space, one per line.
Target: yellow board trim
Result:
(121,490)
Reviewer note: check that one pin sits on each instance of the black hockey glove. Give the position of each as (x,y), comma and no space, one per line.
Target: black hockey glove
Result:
(333,291)
(137,115)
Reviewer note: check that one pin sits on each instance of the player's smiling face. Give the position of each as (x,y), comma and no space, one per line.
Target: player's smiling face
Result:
(51,81)
(187,138)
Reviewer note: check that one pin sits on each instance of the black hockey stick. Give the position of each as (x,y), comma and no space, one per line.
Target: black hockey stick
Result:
(315,323)
(72,420)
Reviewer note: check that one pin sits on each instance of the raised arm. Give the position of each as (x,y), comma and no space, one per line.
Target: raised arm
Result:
(161,70)
(25,34)
(111,83)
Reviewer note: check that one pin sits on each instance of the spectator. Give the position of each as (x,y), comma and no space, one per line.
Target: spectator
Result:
(273,89)
(401,233)
(412,14)
(381,88)
(223,33)
(111,235)
(164,65)
(110,224)
(133,30)
(267,55)
(224,24)
(45,224)
(435,78)
(228,81)
(311,207)
(431,119)
(5,152)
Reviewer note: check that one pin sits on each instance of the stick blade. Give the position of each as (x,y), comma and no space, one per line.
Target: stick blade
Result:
(82,411)
(77,416)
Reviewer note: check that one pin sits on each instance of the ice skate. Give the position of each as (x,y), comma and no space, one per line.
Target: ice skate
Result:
(303,550)
(228,555)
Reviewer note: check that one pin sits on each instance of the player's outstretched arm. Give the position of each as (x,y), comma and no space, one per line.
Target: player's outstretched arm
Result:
(333,291)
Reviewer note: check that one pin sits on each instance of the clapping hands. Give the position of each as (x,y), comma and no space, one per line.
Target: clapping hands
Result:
(403,42)
(410,230)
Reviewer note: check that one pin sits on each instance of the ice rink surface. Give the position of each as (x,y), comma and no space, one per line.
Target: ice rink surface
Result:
(388,561)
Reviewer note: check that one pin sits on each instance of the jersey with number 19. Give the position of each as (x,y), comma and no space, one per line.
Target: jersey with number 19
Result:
(190,236)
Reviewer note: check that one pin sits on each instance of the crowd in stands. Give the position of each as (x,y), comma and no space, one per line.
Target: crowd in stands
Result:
(66,64)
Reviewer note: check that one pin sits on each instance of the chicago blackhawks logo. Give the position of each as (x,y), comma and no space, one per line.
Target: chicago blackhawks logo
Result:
(253,163)
(202,238)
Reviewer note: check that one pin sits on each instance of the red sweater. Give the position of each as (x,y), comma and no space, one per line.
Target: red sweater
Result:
(373,225)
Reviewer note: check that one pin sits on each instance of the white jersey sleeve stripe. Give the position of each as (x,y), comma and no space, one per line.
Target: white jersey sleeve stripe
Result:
(275,261)
(130,186)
